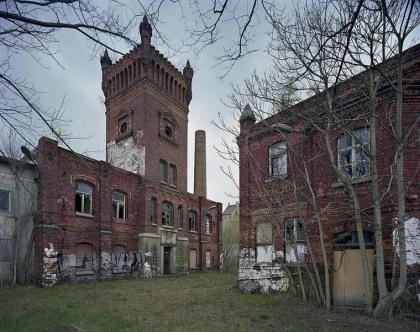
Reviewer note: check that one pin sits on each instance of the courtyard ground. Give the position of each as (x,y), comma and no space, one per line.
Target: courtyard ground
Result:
(196,302)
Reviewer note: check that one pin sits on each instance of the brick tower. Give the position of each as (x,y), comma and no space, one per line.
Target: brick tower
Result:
(147,100)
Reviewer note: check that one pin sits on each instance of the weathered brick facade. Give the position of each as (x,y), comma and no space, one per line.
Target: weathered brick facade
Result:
(82,234)
(274,200)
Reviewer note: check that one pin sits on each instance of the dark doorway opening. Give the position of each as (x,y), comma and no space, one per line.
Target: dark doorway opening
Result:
(167,260)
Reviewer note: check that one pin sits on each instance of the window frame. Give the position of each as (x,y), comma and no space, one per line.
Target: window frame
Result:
(171,213)
(180,216)
(124,205)
(83,197)
(164,178)
(172,178)
(355,144)
(278,155)
(152,210)
(295,238)
(208,224)
(9,201)
(193,213)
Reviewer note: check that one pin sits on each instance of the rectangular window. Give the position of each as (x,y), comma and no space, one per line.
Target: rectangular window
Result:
(264,242)
(118,205)
(278,159)
(353,153)
(193,259)
(152,210)
(5,201)
(295,240)
(172,175)
(167,214)
(192,216)
(83,198)
(181,216)
(163,169)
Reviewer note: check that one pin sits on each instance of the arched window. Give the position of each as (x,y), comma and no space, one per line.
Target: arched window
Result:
(208,224)
(180,216)
(167,214)
(163,169)
(83,198)
(192,220)
(118,205)
(84,257)
(172,175)
(152,210)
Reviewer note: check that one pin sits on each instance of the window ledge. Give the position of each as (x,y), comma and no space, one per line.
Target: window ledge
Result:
(120,221)
(154,224)
(180,228)
(168,226)
(195,232)
(353,181)
(85,215)
(272,178)
(84,273)
(208,233)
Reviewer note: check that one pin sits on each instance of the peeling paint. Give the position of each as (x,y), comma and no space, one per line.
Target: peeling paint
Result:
(269,276)
(412,240)
(128,154)
(50,266)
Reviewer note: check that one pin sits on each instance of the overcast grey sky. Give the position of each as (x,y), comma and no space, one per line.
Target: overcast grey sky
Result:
(78,81)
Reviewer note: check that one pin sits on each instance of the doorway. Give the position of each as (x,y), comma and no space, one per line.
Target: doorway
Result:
(166,260)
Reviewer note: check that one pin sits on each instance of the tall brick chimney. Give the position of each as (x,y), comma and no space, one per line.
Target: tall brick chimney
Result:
(200,177)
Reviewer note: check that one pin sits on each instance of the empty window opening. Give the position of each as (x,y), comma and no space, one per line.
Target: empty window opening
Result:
(83,198)
(118,205)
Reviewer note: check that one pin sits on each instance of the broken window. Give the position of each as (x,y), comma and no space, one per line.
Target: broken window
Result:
(172,175)
(5,198)
(152,210)
(193,259)
(181,216)
(84,257)
(295,240)
(353,153)
(208,223)
(118,205)
(167,214)
(83,198)
(278,159)
(264,232)
(163,168)
(192,220)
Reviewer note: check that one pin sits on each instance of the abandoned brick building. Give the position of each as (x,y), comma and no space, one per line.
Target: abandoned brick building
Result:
(276,220)
(100,219)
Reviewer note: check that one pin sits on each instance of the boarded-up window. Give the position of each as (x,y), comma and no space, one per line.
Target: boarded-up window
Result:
(208,259)
(84,257)
(264,242)
(193,259)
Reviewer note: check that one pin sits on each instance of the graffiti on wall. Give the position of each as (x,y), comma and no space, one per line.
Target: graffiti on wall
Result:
(50,266)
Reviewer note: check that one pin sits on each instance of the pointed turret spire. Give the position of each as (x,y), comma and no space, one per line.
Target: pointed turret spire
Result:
(188,71)
(145,31)
(106,60)
(247,114)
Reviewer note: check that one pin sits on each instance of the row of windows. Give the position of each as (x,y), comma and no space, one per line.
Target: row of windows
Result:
(167,216)
(83,201)
(168,173)
(353,155)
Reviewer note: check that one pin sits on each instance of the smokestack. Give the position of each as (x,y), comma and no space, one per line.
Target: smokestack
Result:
(200,177)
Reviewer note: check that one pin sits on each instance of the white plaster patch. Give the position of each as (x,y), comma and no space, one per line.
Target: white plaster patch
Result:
(412,240)
(264,254)
(270,277)
(291,254)
(50,266)
(128,154)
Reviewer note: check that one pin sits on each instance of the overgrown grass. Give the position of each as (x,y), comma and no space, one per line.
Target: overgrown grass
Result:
(197,302)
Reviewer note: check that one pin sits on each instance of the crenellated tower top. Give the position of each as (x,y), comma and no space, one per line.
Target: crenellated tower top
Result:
(145,64)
